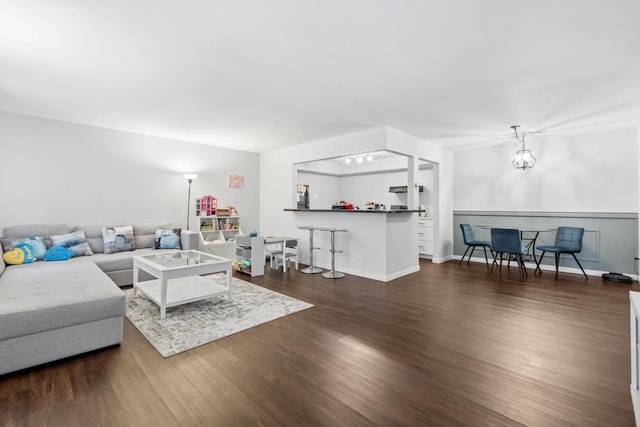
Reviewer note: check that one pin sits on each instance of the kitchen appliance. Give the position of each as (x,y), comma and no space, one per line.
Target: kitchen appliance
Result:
(403,189)
(398,207)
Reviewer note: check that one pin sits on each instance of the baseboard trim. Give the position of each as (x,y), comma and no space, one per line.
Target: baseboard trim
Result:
(552,268)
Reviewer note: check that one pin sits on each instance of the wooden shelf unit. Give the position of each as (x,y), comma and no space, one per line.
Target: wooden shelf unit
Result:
(218,234)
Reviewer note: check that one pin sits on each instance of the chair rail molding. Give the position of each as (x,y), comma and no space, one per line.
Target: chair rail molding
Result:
(533,214)
(610,241)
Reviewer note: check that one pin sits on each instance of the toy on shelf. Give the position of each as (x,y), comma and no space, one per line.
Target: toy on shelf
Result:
(206,206)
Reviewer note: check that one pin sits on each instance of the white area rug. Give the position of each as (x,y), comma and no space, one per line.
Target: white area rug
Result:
(197,323)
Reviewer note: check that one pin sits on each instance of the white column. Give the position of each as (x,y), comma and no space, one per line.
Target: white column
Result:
(413,197)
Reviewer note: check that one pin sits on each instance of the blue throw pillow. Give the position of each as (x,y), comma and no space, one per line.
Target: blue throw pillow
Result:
(167,239)
(36,242)
(58,253)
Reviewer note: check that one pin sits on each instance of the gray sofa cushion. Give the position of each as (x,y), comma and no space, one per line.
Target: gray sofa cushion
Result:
(113,262)
(9,234)
(143,235)
(47,296)
(93,233)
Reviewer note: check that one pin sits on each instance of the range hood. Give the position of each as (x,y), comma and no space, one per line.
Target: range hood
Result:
(403,189)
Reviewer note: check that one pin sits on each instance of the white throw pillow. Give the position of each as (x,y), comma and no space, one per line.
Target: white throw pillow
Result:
(117,239)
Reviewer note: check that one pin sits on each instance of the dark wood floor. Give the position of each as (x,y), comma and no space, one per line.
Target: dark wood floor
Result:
(447,346)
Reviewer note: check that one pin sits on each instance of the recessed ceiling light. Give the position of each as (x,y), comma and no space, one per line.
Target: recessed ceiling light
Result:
(347,160)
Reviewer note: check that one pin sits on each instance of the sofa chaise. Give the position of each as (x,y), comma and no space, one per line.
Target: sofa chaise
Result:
(53,310)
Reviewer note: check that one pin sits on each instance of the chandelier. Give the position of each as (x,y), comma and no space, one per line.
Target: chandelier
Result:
(523,159)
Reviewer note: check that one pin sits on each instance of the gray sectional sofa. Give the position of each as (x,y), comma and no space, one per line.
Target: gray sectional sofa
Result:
(53,310)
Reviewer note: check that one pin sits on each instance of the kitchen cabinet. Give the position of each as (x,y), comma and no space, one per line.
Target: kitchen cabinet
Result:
(425,236)
(403,189)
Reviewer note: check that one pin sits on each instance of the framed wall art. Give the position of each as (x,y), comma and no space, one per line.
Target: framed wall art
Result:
(236,181)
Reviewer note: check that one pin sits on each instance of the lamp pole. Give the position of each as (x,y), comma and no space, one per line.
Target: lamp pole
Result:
(190,177)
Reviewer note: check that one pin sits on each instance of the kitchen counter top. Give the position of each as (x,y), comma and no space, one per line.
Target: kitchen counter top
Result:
(379,245)
(357,211)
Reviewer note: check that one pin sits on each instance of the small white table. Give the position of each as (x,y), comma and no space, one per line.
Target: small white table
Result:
(280,243)
(178,277)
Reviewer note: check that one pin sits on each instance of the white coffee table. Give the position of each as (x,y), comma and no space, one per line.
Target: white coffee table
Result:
(178,277)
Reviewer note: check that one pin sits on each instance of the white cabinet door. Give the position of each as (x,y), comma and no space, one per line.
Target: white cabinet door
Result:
(425,236)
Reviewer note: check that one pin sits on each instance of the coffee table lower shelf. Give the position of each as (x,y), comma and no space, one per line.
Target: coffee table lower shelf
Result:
(182,291)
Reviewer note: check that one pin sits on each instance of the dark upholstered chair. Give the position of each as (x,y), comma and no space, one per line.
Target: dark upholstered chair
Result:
(568,241)
(472,243)
(506,241)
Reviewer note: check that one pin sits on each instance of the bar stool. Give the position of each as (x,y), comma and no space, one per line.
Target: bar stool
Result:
(333,274)
(311,269)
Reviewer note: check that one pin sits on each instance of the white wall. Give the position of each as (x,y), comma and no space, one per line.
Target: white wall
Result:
(278,177)
(442,183)
(582,173)
(426,198)
(56,172)
(278,180)
(324,190)
(360,189)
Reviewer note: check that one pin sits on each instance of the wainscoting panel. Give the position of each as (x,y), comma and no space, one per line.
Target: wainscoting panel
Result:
(610,241)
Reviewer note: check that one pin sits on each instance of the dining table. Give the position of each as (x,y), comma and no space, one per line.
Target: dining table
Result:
(528,234)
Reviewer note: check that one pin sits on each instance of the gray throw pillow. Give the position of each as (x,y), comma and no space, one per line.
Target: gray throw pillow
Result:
(75,241)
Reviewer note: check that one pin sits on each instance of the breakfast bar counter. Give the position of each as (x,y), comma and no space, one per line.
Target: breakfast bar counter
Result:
(380,211)
(380,244)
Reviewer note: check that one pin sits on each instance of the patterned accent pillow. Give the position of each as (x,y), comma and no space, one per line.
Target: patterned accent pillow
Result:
(75,241)
(38,243)
(167,239)
(117,239)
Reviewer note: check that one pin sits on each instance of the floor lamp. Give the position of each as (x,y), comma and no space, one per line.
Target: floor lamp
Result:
(190,177)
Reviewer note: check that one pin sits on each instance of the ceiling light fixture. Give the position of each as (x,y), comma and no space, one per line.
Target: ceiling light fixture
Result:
(347,160)
(359,159)
(369,157)
(523,159)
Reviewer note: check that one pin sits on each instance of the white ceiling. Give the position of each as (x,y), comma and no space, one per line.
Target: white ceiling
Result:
(259,75)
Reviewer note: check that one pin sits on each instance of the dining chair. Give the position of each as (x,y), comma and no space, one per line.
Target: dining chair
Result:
(472,243)
(507,241)
(289,253)
(568,241)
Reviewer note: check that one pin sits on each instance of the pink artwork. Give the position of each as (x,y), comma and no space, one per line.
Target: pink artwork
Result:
(236,181)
